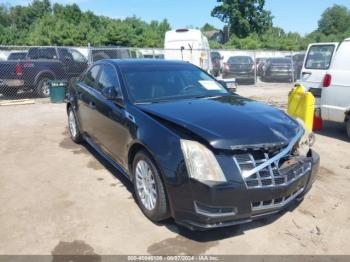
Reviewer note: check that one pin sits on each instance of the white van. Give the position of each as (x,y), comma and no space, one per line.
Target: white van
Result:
(316,63)
(335,98)
(188,45)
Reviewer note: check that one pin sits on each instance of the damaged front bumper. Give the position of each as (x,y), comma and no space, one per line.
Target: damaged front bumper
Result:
(220,205)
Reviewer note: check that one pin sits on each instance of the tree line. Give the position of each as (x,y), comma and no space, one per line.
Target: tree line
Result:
(41,23)
(250,27)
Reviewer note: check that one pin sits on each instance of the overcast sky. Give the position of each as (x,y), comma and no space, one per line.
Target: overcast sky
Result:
(298,15)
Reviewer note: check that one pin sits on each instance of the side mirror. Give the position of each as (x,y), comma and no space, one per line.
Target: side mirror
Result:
(229,84)
(111,93)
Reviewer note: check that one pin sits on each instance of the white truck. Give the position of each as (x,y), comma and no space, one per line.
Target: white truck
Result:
(326,74)
(335,97)
(188,45)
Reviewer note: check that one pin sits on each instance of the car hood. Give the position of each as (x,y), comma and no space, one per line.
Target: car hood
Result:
(228,122)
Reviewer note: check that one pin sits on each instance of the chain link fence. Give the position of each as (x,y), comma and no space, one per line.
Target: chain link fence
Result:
(26,70)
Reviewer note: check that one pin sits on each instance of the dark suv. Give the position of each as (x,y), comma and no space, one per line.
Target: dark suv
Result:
(193,150)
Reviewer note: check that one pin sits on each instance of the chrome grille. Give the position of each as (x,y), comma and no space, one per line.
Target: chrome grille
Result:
(272,174)
(276,203)
(264,168)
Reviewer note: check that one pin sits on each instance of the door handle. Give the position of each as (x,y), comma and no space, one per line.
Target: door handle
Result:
(92,105)
(306,73)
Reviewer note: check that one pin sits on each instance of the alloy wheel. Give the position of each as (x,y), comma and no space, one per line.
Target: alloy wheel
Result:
(146,185)
(72,124)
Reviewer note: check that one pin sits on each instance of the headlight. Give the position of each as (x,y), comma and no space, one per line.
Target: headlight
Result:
(201,162)
(305,142)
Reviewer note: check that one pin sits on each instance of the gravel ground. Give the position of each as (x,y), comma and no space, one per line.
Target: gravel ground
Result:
(60,198)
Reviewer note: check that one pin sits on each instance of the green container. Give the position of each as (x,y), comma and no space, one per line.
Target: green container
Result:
(57,91)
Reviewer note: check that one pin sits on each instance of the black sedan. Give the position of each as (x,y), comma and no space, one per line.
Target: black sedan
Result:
(242,68)
(193,150)
(279,69)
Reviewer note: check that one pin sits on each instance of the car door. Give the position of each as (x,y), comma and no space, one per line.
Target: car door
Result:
(86,90)
(111,125)
(317,61)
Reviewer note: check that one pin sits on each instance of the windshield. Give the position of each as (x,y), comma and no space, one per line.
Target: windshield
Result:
(152,83)
(240,60)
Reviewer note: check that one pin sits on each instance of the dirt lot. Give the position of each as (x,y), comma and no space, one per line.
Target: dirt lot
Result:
(57,197)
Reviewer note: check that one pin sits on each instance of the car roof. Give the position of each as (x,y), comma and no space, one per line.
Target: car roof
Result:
(143,61)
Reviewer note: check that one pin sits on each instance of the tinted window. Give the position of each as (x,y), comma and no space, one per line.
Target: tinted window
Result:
(149,83)
(42,53)
(319,57)
(239,60)
(108,78)
(17,56)
(48,53)
(91,76)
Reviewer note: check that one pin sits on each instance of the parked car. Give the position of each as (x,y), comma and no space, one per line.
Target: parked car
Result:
(242,68)
(192,149)
(279,69)
(40,65)
(216,59)
(317,61)
(17,56)
(335,97)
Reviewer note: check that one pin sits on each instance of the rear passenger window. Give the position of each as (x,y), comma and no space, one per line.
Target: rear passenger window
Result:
(42,53)
(91,76)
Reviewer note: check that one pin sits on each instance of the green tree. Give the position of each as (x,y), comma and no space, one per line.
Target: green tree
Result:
(208,27)
(335,20)
(244,17)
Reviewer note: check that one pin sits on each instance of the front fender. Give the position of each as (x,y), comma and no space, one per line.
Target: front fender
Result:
(163,145)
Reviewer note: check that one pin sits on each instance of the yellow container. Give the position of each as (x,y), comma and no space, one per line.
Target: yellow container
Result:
(301,104)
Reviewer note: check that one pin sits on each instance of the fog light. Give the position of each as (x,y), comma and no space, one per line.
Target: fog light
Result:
(213,212)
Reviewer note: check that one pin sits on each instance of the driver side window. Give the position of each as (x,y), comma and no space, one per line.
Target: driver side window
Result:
(109,79)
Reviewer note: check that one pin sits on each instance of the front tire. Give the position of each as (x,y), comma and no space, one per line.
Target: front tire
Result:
(73,126)
(149,188)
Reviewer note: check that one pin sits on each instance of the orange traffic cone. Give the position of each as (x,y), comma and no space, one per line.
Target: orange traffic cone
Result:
(318,122)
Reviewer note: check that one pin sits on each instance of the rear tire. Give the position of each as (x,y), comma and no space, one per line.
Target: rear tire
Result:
(42,88)
(73,126)
(149,188)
